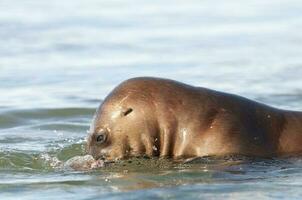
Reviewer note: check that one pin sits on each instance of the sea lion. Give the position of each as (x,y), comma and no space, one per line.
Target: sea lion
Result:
(164,118)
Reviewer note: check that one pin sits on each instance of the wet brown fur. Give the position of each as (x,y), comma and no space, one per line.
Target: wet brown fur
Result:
(172,119)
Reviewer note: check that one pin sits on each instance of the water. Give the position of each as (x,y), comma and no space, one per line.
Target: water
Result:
(59,59)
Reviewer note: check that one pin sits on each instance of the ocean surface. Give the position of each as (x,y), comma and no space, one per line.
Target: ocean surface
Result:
(60,58)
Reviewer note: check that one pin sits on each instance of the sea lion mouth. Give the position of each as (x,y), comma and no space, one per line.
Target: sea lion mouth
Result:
(102,157)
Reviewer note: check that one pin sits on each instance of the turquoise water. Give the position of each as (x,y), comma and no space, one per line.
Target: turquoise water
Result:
(59,59)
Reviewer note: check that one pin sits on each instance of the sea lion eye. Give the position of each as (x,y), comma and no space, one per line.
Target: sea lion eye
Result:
(100,138)
(128,111)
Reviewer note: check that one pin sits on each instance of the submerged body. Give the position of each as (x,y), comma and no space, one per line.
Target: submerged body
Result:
(159,117)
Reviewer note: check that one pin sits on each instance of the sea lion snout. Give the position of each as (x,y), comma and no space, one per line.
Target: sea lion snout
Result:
(96,143)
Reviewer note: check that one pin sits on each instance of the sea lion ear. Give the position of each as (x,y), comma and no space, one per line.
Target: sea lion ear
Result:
(127,111)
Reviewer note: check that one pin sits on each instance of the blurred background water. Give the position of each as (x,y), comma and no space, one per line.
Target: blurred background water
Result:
(59,59)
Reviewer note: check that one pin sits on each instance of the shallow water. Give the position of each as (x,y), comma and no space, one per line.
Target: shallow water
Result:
(59,59)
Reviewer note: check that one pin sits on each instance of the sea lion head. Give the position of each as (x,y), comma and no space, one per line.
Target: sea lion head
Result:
(124,125)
